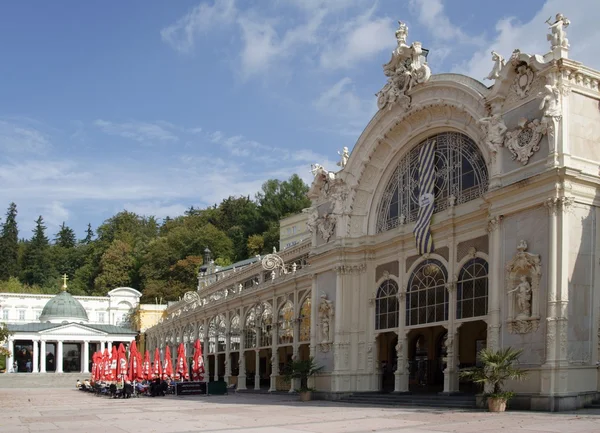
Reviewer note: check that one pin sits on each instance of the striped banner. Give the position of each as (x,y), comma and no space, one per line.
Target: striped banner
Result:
(426,198)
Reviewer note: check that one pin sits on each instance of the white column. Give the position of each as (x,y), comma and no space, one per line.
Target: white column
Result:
(42,356)
(294,383)
(241,381)
(274,349)
(10,359)
(86,357)
(36,357)
(494,282)
(227,351)
(257,362)
(205,352)
(59,357)
(402,372)
(109,346)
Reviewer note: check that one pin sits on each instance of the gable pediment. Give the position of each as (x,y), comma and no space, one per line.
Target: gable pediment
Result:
(73,329)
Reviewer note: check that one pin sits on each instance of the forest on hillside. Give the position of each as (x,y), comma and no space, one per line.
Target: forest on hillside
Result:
(159,258)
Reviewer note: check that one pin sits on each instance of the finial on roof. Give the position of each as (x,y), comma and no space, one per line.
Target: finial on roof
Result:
(64,286)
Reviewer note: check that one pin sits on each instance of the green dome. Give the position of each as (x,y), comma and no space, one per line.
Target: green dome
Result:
(63,308)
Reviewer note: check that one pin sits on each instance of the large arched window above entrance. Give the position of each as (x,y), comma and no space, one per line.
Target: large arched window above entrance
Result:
(305,320)
(285,324)
(472,289)
(427,297)
(386,305)
(460,172)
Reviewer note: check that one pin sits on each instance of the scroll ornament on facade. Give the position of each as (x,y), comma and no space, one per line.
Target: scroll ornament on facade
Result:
(523,274)
(325,320)
(524,141)
(407,68)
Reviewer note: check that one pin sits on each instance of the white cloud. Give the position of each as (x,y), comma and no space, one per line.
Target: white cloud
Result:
(138,131)
(530,36)
(359,39)
(156,208)
(54,213)
(200,19)
(16,138)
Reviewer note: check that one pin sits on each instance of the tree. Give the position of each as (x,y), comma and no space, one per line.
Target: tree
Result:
(65,237)
(116,266)
(280,199)
(89,235)
(37,266)
(4,334)
(256,244)
(9,245)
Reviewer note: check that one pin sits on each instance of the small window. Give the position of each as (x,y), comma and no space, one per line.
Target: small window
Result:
(21,314)
(289,231)
(101,317)
(37,315)
(294,229)
(5,314)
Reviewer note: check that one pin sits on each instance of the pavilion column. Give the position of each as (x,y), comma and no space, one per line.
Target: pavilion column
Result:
(451,343)
(294,382)
(227,374)
(59,356)
(241,380)
(86,357)
(11,358)
(402,371)
(257,363)
(36,357)
(313,320)
(205,352)
(495,282)
(42,356)
(109,346)
(274,349)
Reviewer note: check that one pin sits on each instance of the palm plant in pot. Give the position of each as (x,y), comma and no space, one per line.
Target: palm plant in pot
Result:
(498,367)
(302,370)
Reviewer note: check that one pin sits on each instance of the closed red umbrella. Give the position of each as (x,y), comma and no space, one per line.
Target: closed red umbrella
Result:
(135,363)
(114,356)
(158,371)
(168,365)
(146,372)
(181,370)
(197,363)
(106,364)
(94,363)
(121,363)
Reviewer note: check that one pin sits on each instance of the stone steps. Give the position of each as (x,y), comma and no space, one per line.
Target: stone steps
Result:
(41,380)
(415,400)
(593,405)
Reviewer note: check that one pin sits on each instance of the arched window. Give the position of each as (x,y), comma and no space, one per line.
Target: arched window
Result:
(266,325)
(460,172)
(427,297)
(472,289)
(386,305)
(250,329)
(234,332)
(305,320)
(286,323)
(221,333)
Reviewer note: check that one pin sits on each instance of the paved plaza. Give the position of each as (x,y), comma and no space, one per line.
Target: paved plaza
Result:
(66,410)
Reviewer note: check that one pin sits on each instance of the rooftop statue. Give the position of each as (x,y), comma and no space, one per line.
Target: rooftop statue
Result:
(498,65)
(558,35)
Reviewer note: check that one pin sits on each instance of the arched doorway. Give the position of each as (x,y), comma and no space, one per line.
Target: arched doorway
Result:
(388,360)
(426,352)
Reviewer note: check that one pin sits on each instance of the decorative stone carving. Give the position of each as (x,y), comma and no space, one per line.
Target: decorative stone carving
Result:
(552,98)
(190,297)
(321,182)
(523,274)
(523,80)
(558,35)
(524,141)
(344,155)
(406,68)
(325,319)
(326,226)
(499,64)
(272,262)
(494,129)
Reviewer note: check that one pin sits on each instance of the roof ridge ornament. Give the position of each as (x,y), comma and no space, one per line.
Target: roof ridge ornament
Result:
(64,286)
(407,67)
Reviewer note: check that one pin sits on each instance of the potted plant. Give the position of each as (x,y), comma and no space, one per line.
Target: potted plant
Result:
(498,366)
(302,369)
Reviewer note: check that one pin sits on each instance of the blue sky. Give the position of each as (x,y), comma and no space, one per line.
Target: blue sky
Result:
(154,106)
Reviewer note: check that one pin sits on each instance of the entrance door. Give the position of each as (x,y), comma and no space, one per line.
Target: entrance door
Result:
(388,360)
(426,352)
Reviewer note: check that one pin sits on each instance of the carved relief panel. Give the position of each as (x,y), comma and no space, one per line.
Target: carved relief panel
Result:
(523,274)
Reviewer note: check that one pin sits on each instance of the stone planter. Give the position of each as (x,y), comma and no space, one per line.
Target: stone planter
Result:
(496,404)
(305,396)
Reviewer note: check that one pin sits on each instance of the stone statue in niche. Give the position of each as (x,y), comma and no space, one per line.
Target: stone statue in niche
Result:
(498,66)
(494,130)
(558,35)
(551,102)
(523,274)
(313,217)
(325,318)
(523,294)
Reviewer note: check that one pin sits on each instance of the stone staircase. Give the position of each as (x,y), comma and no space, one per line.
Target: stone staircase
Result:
(459,401)
(41,380)
(594,404)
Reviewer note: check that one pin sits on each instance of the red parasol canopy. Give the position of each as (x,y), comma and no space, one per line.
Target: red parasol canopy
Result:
(181,369)
(168,365)
(197,363)
(94,366)
(121,363)
(135,363)
(112,375)
(146,372)
(158,371)
(106,363)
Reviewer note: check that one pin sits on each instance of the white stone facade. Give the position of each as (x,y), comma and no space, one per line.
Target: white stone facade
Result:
(516,257)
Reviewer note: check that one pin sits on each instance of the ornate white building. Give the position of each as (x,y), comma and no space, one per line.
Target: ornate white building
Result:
(58,333)
(464,217)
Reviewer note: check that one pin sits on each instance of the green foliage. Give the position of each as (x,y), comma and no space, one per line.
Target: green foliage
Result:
(498,367)
(9,245)
(301,369)
(4,334)
(160,260)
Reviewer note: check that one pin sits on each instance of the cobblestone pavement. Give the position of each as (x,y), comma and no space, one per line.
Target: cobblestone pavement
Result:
(68,410)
